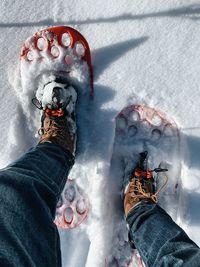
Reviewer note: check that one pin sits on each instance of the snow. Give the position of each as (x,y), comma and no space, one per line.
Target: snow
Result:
(143,52)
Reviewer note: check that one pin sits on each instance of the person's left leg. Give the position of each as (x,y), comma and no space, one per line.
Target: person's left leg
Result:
(29,191)
(31,187)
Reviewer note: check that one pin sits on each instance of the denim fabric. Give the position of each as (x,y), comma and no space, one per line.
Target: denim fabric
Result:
(159,240)
(29,191)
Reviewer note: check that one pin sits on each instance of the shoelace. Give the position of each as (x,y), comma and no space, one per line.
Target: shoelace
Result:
(137,187)
(53,129)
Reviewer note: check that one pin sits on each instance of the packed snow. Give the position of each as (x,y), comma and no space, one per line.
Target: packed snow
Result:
(143,52)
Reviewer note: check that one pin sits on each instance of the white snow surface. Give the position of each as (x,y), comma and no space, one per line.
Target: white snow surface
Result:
(144,52)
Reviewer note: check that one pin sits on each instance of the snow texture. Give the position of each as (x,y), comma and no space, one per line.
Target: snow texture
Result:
(144,52)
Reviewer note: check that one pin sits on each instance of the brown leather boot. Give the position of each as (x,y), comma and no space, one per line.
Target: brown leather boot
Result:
(142,185)
(57,129)
(138,190)
(57,100)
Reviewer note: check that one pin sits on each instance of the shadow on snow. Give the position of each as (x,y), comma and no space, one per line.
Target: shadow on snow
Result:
(189,12)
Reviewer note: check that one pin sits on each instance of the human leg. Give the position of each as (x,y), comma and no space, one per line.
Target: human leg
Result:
(159,240)
(29,191)
(31,186)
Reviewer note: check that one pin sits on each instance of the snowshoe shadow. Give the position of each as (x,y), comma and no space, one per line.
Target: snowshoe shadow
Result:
(194,200)
(95,124)
(100,121)
(193,151)
(190,196)
(104,56)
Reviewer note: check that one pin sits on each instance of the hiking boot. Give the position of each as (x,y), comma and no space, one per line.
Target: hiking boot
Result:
(141,187)
(58,116)
(138,190)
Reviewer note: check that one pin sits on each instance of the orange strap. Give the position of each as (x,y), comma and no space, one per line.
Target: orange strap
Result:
(139,173)
(54,112)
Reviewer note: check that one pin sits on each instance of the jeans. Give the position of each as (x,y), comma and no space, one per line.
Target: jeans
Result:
(159,240)
(29,191)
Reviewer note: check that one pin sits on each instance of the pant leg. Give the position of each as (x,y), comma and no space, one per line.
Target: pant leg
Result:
(159,240)
(29,191)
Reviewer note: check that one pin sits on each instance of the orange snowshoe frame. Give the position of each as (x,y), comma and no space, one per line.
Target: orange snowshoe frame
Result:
(57,32)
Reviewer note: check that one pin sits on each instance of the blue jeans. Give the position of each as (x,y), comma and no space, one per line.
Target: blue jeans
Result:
(159,240)
(29,191)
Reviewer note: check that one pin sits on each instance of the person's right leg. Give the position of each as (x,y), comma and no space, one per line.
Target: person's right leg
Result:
(159,240)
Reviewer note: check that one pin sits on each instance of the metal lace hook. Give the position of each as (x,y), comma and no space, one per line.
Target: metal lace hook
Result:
(37,103)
